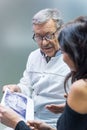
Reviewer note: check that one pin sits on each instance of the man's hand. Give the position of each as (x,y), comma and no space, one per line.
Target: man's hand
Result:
(56,108)
(12,88)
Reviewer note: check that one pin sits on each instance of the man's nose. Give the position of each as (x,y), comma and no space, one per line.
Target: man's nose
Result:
(45,41)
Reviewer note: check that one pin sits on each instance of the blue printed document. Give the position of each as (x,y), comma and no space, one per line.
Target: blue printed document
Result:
(20,103)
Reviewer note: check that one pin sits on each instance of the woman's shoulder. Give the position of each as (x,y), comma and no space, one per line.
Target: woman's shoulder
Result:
(77,97)
(79,86)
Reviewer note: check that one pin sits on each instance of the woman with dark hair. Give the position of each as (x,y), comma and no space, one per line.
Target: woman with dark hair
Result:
(73,44)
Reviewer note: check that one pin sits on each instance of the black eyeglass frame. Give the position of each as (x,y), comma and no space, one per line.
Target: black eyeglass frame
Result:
(47,37)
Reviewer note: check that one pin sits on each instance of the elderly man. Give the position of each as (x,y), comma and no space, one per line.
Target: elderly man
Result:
(45,70)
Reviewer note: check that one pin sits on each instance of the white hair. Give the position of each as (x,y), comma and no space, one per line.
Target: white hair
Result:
(46,14)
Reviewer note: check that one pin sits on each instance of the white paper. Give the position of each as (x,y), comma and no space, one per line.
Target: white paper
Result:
(20,103)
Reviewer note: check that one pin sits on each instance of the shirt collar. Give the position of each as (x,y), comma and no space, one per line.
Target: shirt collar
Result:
(57,53)
(48,58)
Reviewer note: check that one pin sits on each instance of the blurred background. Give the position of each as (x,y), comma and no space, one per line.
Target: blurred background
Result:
(16,32)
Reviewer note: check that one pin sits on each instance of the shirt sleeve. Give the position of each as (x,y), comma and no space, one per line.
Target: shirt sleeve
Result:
(22,126)
(25,84)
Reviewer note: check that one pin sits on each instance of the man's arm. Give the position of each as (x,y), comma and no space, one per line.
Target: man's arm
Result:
(24,85)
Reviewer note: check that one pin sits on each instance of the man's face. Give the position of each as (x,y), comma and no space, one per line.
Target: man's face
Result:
(49,47)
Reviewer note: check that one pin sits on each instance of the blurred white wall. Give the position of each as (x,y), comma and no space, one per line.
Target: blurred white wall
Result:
(16,32)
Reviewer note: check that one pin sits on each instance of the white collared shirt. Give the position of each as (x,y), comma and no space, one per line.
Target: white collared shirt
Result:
(44,82)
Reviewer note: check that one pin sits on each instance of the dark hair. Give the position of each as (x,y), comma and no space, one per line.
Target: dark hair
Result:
(73,40)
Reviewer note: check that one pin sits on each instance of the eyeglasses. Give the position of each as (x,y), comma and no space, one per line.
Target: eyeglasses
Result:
(48,37)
